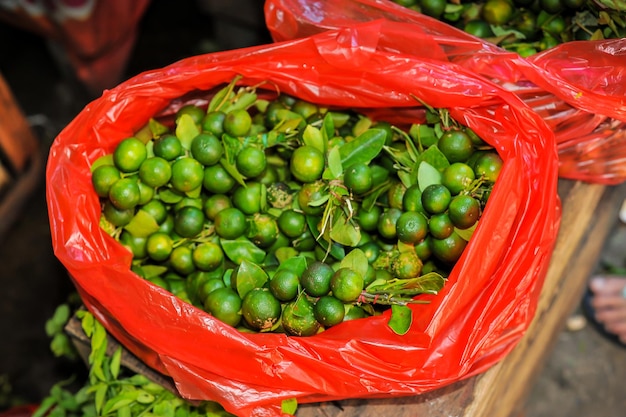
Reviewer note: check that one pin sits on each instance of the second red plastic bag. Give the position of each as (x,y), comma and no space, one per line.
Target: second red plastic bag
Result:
(579,88)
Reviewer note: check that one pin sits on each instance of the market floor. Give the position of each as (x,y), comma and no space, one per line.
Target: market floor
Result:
(584,376)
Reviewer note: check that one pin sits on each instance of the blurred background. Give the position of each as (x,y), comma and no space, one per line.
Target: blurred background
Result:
(54,73)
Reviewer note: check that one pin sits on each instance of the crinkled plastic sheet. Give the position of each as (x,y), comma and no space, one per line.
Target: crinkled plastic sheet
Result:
(578,87)
(478,317)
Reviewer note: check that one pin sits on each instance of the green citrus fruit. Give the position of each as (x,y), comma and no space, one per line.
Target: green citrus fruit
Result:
(225,305)
(464,211)
(181,260)
(488,166)
(249,199)
(479,28)
(168,147)
(207,256)
(125,194)
(230,223)
(207,149)
(117,217)
(329,311)
(449,249)
(412,199)
(187,174)
(411,227)
(285,285)
(188,221)
(315,279)
(159,246)
(103,178)
(292,223)
(497,12)
(440,226)
(307,164)
(358,178)
(214,204)
(298,318)
(457,177)
(406,265)
(456,145)
(368,219)
(436,198)
(155,172)
(260,309)
(195,112)
(251,161)
(310,193)
(237,122)
(129,154)
(213,122)
(262,230)
(217,180)
(346,285)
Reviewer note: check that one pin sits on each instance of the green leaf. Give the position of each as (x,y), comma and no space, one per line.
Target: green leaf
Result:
(170,196)
(61,345)
(142,224)
(466,234)
(285,253)
(289,406)
(249,276)
(88,323)
(124,411)
(296,264)
(45,406)
(339,119)
(232,146)
(434,157)
(400,320)
(242,100)
(312,136)
(116,360)
(195,193)
(100,396)
(98,338)
(328,128)
(186,130)
(289,121)
(231,168)
(337,251)
(344,232)
(58,320)
(145,397)
(241,249)
(430,283)
(427,175)
(363,148)
(121,400)
(356,260)
(157,129)
(103,160)
(223,95)
(334,163)
(362,125)
(151,271)
(406,178)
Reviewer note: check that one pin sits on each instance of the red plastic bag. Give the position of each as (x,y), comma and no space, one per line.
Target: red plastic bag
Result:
(578,87)
(482,311)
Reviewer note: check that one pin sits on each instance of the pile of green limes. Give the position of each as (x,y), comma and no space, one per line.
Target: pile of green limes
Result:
(529,26)
(277,214)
